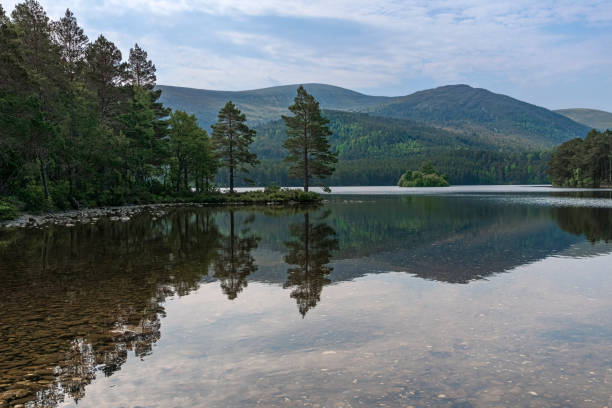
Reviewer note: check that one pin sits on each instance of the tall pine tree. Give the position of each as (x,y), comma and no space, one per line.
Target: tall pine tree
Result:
(231,138)
(106,76)
(310,153)
(141,70)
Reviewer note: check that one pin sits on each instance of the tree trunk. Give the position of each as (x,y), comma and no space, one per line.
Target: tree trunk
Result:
(43,177)
(186,181)
(231,171)
(306,175)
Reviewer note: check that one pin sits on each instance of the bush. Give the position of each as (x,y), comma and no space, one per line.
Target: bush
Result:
(7,210)
(426,177)
(33,198)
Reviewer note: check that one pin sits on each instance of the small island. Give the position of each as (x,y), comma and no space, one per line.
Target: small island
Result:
(427,176)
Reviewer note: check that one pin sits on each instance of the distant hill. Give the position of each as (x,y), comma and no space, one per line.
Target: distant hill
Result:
(454,107)
(357,135)
(484,112)
(262,105)
(596,119)
(374,150)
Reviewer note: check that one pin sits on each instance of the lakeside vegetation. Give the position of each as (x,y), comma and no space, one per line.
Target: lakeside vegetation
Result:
(427,176)
(583,163)
(82,127)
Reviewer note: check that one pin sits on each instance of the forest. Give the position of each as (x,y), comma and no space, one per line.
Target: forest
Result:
(583,163)
(81,126)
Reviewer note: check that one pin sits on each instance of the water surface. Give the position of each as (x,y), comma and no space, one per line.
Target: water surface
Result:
(461,299)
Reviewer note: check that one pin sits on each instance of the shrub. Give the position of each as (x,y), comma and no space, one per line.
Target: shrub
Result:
(7,210)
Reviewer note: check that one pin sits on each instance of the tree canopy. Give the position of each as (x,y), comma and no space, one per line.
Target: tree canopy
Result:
(583,163)
(307,141)
(231,139)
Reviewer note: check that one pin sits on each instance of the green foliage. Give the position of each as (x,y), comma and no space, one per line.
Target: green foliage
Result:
(8,211)
(374,150)
(583,163)
(231,139)
(307,142)
(192,157)
(428,176)
(82,127)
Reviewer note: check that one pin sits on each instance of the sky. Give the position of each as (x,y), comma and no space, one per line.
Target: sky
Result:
(553,53)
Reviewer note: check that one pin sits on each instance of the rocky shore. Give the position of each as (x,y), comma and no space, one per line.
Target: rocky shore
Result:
(89,215)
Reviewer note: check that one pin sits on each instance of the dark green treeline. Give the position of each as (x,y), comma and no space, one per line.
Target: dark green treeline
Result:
(583,163)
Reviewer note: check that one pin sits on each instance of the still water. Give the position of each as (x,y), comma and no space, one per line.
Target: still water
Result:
(459,299)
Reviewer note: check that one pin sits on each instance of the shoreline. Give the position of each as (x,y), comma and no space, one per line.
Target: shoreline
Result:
(123,213)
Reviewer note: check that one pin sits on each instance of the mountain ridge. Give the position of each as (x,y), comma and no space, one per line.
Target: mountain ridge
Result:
(459,107)
(595,118)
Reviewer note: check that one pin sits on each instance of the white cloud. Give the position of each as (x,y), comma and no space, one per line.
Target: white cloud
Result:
(524,42)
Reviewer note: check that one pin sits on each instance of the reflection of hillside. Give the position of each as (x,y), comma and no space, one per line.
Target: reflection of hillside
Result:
(76,301)
(451,239)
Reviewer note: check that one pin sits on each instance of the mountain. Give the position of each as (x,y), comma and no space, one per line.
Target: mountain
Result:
(472,135)
(480,111)
(262,105)
(596,119)
(455,107)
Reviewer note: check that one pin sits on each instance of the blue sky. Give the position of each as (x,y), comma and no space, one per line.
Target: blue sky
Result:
(554,53)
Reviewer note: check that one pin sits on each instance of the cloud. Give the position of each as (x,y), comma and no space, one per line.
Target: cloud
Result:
(379,46)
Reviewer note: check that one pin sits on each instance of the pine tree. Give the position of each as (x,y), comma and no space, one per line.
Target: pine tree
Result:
(307,143)
(106,76)
(72,42)
(141,71)
(140,134)
(3,18)
(231,139)
(40,60)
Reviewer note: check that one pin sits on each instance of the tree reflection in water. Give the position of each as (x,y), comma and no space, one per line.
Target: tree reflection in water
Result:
(310,251)
(76,301)
(234,261)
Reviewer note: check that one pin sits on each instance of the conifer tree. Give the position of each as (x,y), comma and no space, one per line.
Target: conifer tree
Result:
(44,80)
(106,76)
(141,71)
(231,139)
(72,42)
(307,140)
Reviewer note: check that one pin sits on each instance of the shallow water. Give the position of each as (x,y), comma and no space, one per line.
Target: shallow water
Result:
(463,299)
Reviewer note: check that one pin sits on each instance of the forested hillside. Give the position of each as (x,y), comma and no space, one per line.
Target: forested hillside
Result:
(376,151)
(486,113)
